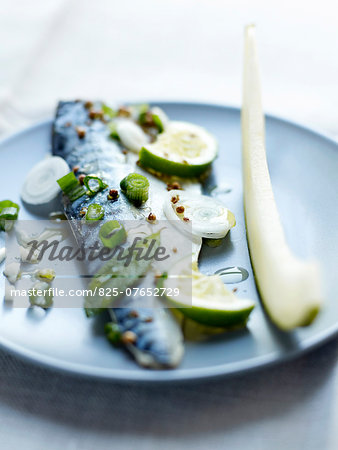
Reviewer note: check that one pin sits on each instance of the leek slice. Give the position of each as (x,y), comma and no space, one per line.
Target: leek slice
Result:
(289,287)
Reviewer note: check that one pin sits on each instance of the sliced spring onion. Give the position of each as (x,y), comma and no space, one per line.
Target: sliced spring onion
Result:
(139,111)
(157,116)
(41,295)
(71,186)
(40,193)
(76,193)
(158,123)
(95,212)
(112,233)
(289,287)
(113,332)
(160,118)
(112,130)
(116,273)
(47,275)
(206,216)
(68,182)
(8,214)
(108,111)
(94,184)
(136,188)
(131,135)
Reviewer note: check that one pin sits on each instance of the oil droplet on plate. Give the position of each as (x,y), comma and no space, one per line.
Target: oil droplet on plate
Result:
(232,275)
(215,191)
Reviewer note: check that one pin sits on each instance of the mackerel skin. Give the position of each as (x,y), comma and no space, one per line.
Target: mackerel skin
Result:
(95,153)
(159,342)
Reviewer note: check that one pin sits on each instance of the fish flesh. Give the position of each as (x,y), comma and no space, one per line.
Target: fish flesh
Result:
(85,142)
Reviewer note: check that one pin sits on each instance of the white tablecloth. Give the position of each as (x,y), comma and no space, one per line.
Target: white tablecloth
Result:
(169,49)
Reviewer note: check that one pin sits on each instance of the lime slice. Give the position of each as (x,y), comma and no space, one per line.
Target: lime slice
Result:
(203,298)
(183,149)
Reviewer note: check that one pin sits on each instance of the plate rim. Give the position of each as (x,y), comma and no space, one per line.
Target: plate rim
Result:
(180,374)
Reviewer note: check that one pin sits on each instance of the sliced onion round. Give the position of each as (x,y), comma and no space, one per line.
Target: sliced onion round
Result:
(40,192)
(208,217)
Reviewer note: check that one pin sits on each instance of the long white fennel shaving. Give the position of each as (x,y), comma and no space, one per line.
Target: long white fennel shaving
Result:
(289,287)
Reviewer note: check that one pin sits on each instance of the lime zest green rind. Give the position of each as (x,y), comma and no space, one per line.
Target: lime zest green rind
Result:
(163,165)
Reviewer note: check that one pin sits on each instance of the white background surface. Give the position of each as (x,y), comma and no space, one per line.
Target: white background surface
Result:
(177,50)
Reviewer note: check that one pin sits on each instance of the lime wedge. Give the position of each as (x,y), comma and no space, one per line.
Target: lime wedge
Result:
(205,299)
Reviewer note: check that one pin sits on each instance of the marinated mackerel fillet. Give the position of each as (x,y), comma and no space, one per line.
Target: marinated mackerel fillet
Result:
(86,143)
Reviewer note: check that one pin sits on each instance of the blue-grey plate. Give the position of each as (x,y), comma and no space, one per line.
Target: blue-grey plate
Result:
(304,168)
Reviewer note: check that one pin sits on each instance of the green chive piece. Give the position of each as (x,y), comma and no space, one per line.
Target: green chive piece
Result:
(112,131)
(141,111)
(95,212)
(113,333)
(68,182)
(112,233)
(71,186)
(136,188)
(155,117)
(158,123)
(94,184)
(108,111)
(8,212)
